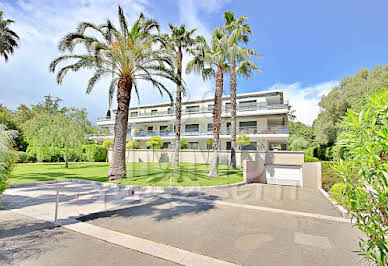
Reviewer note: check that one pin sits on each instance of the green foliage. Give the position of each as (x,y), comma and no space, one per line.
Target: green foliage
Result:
(298,143)
(94,153)
(133,145)
(184,144)
(24,157)
(364,171)
(107,144)
(329,175)
(209,144)
(7,155)
(308,159)
(155,142)
(338,189)
(108,114)
(8,38)
(242,140)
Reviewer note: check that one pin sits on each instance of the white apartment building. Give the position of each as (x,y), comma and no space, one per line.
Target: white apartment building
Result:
(262,116)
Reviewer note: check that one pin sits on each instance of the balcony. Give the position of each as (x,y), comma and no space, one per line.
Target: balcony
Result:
(223,131)
(204,109)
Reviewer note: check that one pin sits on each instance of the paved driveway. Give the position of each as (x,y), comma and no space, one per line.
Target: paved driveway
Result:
(249,225)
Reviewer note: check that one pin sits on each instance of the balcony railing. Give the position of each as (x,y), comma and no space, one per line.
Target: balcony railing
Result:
(256,107)
(223,131)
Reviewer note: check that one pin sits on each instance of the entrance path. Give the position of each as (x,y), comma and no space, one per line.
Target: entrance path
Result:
(249,225)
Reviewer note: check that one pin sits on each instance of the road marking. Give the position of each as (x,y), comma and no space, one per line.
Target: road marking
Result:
(260,208)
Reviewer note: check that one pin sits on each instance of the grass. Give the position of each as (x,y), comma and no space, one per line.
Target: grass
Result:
(144,174)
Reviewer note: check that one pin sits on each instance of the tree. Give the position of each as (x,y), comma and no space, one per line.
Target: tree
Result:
(6,155)
(129,55)
(298,143)
(364,173)
(58,129)
(8,38)
(242,140)
(212,62)
(179,40)
(239,64)
(184,144)
(133,144)
(155,142)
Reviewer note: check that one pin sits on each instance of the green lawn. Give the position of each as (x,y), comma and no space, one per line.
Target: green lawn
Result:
(146,174)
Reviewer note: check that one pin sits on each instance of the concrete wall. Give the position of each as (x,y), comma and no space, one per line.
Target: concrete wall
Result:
(312,175)
(204,156)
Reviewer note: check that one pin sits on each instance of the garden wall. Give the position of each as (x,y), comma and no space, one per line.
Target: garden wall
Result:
(205,156)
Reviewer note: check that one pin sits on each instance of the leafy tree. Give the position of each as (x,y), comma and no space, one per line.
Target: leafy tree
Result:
(179,40)
(49,105)
(8,38)
(6,155)
(58,129)
(364,173)
(107,144)
(242,140)
(184,144)
(298,143)
(155,142)
(129,55)
(348,95)
(240,64)
(212,61)
(134,144)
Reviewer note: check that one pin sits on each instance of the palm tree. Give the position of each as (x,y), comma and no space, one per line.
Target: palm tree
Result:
(239,64)
(8,38)
(129,55)
(179,40)
(210,62)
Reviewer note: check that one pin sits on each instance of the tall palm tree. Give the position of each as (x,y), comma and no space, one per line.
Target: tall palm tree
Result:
(239,64)
(129,55)
(179,40)
(8,38)
(210,61)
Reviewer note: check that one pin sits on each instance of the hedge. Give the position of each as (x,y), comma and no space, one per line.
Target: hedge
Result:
(94,153)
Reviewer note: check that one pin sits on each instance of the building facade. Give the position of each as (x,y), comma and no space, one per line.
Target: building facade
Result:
(262,116)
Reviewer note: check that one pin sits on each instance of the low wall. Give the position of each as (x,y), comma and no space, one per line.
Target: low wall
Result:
(312,175)
(205,156)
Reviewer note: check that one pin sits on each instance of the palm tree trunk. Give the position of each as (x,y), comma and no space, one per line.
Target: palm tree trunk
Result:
(217,120)
(233,114)
(117,168)
(178,111)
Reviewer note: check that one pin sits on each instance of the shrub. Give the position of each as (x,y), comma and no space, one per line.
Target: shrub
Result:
(338,189)
(6,155)
(24,157)
(155,142)
(94,153)
(329,176)
(309,159)
(133,145)
(45,154)
(107,144)
(183,144)
(75,155)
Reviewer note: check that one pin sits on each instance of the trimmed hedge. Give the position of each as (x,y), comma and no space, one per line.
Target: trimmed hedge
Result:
(309,159)
(94,153)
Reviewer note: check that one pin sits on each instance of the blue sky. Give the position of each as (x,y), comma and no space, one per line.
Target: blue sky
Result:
(306,46)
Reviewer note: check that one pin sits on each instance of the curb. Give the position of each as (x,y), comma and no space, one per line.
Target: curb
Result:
(338,207)
(135,187)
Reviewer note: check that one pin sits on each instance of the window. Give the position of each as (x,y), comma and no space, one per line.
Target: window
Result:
(193,145)
(192,109)
(228,107)
(248,127)
(134,114)
(251,147)
(192,128)
(228,127)
(166,145)
(163,128)
(170,110)
(247,106)
(210,107)
(154,112)
(210,127)
(228,146)
(149,129)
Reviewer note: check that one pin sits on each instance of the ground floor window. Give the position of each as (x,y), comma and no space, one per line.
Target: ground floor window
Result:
(228,146)
(166,145)
(251,147)
(193,145)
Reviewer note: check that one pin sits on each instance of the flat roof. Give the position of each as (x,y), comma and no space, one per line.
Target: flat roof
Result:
(239,96)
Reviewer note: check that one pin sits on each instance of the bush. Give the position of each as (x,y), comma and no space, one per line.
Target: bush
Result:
(107,144)
(133,145)
(338,189)
(45,154)
(94,153)
(75,155)
(24,157)
(183,144)
(309,159)
(329,176)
